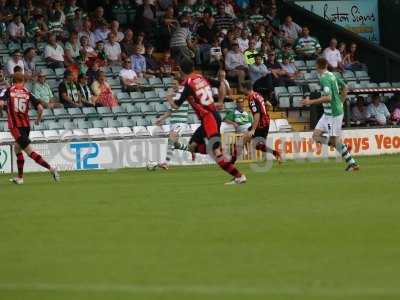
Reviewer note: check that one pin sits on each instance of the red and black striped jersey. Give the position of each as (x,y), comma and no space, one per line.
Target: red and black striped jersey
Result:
(197,91)
(19,100)
(257,105)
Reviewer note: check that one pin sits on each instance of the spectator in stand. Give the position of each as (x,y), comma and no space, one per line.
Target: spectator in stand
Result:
(43,92)
(86,31)
(168,25)
(101,54)
(359,112)
(112,49)
(279,76)
(291,29)
(377,112)
(128,77)
(29,62)
(4,84)
(239,118)
(103,91)
(307,47)
(72,50)
(152,65)
(215,55)
(342,49)
(54,53)
(206,35)
(243,40)
(222,19)
(167,64)
(68,91)
(146,17)
(139,42)
(56,20)
(36,27)
(101,32)
(93,71)
(261,78)
(351,61)
(138,63)
(70,9)
(115,29)
(88,54)
(16,30)
(332,55)
(279,39)
(395,109)
(251,53)
(290,68)
(87,97)
(236,66)
(180,43)
(286,51)
(16,60)
(272,17)
(227,41)
(98,19)
(127,44)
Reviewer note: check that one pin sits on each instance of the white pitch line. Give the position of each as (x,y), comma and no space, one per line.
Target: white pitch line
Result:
(199,289)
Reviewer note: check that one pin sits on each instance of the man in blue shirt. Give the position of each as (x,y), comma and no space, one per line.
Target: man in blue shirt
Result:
(138,62)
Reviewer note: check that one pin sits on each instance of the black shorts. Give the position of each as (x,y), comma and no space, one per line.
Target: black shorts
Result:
(210,128)
(261,132)
(21,136)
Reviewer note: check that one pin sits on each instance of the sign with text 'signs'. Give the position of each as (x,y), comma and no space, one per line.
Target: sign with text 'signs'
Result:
(359,16)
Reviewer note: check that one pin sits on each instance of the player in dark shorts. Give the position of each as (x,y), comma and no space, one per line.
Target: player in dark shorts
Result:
(258,131)
(19,100)
(207,138)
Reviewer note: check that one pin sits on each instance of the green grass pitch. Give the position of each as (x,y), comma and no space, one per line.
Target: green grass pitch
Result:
(302,231)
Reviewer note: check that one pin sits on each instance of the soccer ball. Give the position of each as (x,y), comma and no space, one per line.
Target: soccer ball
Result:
(151,165)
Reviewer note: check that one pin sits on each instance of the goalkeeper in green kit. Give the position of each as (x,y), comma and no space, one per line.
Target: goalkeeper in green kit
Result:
(334,92)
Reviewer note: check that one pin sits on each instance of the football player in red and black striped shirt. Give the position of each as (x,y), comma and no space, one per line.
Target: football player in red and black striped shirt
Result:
(19,100)
(260,127)
(206,139)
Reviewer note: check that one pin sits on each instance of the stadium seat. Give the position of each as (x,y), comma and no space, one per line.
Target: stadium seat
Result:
(300,65)
(385,85)
(311,77)
(145,108)
(284,102)
(272,126)
(6,137)
(32,114)
(40,126)
(140,131)
(80,133)
(140,122)
(151,96)
(110,131)
(48,114)
(66,134)
(143,83)
(105,112)
(162,94)
(61,113)
(349,75)
(75,112)
(50,74)
(127,123)
(95,132)
(281,91)
(125,131)
(314,87)
(156,82)
(59,73)
(295,91)
(296,101)
(283,125)
(115,70)
(51,135)
(137,96)
(396,84)
(114,82)
(160,107)
(99,124)
(69,125)
(36,135)
(168,81)
(54,125)
(362,76)
(310,64)
(119,111)
(150,120)
(124,97)
(113,124)
(157,131)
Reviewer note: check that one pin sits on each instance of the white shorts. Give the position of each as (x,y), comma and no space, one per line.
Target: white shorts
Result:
(330,125)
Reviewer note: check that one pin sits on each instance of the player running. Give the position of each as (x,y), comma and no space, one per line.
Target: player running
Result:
(18,100)
(206,139)
(178,120)
(334,92)
(261,120)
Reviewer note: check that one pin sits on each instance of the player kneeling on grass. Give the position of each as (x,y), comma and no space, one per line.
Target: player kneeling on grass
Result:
(334,92)
(259,129)
(18,100)
(207,138)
